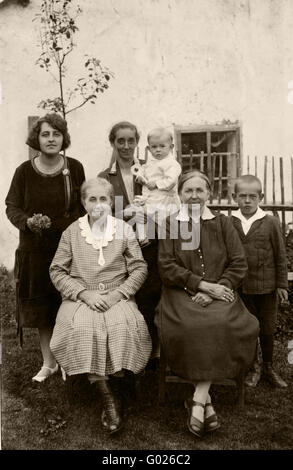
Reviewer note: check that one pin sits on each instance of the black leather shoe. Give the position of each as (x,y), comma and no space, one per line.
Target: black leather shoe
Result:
(111,418)
(194,425)
(272,377)
(253,376)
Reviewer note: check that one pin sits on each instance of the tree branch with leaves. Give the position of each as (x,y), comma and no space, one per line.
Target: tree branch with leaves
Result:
(57,26)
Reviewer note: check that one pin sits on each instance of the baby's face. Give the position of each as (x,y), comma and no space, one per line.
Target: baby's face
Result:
(248,197)
(160,146)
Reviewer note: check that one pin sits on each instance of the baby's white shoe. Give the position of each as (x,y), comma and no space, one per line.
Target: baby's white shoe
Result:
(44,373)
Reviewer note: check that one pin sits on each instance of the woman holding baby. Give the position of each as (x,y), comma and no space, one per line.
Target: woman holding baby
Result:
(124,139)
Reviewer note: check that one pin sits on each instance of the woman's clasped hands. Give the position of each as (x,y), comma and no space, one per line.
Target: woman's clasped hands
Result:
(100,302)
(214,291)
(202,299)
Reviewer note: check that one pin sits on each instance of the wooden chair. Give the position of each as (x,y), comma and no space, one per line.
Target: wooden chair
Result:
(166,376)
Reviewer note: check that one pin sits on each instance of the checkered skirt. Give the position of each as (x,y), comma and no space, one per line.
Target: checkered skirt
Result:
(86,341)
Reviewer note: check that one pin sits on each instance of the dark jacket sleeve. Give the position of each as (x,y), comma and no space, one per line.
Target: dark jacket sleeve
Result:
(236,267)
(279,253)
(14,200)
(171,272)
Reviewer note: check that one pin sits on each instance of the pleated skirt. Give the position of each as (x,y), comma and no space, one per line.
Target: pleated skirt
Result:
(103,343)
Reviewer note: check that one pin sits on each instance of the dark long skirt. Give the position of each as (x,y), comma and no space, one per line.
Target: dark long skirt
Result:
(149,294)
(205,343)
(37,299)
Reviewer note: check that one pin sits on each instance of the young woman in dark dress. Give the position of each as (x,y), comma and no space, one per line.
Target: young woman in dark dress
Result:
(43,199)
(205,330)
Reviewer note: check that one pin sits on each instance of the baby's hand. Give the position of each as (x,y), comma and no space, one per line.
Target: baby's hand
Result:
(139,200)
(141,179)
(151,185)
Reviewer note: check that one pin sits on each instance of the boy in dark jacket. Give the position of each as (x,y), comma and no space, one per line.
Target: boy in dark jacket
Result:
(266,280)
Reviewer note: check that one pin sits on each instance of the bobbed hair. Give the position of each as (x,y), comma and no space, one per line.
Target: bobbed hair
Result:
(191,174)
(55,121)
(122,125)
(94,182)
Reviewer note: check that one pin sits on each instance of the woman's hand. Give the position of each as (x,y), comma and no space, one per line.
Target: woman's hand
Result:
(112,298)
(135,211)
(202,299)
(217,291)
(139,215)
(94,300)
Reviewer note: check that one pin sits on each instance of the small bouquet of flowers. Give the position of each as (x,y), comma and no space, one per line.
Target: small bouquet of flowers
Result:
(39,222)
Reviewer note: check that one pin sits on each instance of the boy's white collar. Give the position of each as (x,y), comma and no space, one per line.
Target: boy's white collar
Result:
(259,214)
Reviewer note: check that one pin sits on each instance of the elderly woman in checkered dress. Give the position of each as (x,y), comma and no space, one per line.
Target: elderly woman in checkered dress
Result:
(98,267)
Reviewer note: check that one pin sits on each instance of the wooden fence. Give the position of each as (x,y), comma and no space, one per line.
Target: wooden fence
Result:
(222,172)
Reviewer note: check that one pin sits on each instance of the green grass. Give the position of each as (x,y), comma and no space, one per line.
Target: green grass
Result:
(39,416)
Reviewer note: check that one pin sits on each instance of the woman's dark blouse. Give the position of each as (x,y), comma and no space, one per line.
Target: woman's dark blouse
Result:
(32,193)
(220,259)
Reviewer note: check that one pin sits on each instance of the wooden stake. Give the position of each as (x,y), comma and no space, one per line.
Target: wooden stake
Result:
(191,159)
(220,178)
(213,157)
(265,180)
(292,182)
(282,193)
(201,161)
(229,181)
(274,180)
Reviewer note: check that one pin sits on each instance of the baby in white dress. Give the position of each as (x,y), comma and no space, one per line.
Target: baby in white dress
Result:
(159,177)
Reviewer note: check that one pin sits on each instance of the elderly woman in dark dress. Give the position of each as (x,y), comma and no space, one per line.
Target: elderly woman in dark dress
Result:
(124,138)
(206,332)
(43,199)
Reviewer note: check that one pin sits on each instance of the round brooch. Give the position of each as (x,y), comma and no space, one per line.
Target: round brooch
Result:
(65,172)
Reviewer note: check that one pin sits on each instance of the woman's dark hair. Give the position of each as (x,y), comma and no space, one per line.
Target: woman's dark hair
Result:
(122,125)
(55,121)
(191,174)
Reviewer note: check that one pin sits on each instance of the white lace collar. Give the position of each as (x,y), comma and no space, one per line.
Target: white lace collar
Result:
(98,243)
